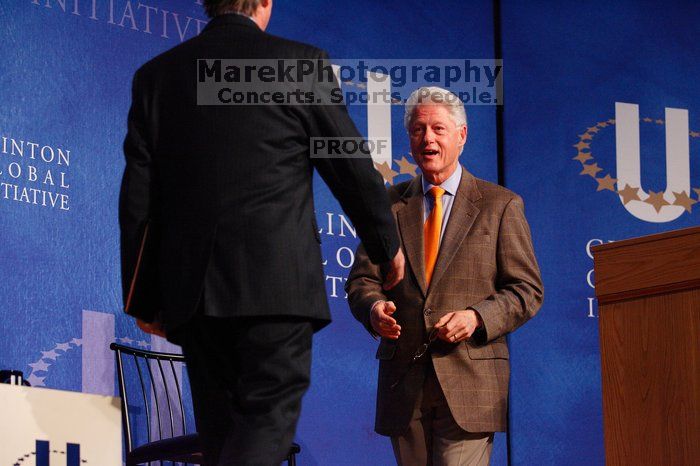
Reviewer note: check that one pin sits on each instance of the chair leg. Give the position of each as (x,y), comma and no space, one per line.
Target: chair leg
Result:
(291,460)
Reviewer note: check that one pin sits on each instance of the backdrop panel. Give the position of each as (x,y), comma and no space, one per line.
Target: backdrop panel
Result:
(601,140)
(65,91)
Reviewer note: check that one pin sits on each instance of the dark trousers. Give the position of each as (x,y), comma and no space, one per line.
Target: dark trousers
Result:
(248,376)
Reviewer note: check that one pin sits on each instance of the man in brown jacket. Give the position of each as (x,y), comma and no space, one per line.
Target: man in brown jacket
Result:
(471,278)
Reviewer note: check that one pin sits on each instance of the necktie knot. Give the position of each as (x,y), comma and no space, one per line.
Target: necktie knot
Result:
(436,192)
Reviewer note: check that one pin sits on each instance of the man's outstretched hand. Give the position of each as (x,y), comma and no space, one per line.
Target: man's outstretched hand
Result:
(382,322)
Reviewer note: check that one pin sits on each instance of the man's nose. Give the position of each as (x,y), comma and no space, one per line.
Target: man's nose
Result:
(429,136)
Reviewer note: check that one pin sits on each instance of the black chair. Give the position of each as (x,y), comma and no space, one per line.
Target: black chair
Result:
(163,388)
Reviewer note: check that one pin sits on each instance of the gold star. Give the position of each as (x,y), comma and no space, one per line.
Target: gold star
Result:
(647,119)
(611,121)
(583,157)
(602,124)
(683,200)
(585,137)
(387,173)
(592,129)
(694,134)
(657,200)
(629,194)
(659,122)
(582,145)
(406,167)
(607,182)
(697,191)
(590,170)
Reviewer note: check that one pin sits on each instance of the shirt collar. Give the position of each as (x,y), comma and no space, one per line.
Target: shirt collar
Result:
(244,15)
(450,185)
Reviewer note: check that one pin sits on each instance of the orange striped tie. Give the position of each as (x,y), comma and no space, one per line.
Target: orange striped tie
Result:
(431,232)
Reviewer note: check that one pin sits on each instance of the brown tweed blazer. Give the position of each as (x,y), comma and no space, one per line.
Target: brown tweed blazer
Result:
(486,261)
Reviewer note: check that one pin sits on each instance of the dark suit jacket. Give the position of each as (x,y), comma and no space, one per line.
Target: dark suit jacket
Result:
(486,261)
(228,189)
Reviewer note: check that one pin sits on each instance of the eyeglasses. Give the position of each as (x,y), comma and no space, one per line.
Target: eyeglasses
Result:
(420,352)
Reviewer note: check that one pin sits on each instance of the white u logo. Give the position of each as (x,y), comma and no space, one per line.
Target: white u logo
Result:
(628,161)
(378,116)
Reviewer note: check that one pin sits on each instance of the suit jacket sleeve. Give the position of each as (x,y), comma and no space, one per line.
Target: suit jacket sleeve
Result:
(364,288)
(519,291)
(353,180)
(135,195)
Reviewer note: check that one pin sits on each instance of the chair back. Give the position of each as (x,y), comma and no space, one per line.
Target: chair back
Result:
(157,392)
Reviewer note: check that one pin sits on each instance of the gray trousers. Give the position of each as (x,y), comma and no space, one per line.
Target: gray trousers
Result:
(434,438)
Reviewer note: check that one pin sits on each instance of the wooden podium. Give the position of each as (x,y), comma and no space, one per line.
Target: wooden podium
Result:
(648,293)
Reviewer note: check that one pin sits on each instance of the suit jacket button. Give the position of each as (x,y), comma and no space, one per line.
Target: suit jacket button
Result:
(427,312)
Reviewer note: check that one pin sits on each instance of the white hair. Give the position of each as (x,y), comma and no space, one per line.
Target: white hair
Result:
(436,96)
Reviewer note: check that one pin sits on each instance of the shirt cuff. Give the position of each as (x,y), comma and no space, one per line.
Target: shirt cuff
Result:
(374,334)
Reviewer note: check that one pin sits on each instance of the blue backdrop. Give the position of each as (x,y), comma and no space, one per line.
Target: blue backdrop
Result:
(64,95)
(566,67)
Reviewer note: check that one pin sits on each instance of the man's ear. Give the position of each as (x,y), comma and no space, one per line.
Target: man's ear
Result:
(262,14)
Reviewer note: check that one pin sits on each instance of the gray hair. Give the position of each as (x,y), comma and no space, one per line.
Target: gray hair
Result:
(435,96)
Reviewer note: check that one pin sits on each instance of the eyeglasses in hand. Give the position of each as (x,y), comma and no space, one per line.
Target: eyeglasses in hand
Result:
(420,352)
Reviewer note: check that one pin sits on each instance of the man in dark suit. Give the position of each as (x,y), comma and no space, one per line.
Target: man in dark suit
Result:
(226,192)
(472,278)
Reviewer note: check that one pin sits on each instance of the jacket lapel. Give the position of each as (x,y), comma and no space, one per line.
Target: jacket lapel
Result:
(410,218)
(462,217)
